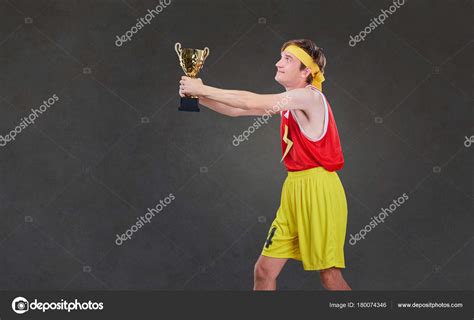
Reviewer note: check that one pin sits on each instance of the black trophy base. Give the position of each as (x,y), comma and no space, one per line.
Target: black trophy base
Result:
(189,104)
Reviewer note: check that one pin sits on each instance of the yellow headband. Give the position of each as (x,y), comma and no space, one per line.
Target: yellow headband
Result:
(306,59)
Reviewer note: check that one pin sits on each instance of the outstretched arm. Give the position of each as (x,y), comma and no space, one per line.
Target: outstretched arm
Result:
(226,109)
(301,98)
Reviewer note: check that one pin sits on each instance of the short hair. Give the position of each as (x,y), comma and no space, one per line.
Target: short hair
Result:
(313,50)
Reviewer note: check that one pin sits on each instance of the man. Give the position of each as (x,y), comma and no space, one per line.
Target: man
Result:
(310,224)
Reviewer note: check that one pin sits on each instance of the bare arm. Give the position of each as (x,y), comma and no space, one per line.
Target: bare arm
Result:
(301,99)
(228,110)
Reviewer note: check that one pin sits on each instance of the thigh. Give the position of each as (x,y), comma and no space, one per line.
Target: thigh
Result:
(282,237)
(282,240)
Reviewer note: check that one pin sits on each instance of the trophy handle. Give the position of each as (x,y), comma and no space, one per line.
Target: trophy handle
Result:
(206,52)
(177,48)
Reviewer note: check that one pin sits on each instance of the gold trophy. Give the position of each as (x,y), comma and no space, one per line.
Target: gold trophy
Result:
(191,60)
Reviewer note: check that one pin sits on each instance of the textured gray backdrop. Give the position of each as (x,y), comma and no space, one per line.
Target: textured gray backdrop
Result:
(114,144)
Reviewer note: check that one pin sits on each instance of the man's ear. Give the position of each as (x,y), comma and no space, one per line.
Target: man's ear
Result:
(307,72)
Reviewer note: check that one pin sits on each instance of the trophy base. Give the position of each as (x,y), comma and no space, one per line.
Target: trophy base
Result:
(189,104)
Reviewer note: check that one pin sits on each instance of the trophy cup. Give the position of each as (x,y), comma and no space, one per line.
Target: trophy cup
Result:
(191,60)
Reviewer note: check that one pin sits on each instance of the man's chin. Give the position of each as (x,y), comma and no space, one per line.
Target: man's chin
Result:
(277,79)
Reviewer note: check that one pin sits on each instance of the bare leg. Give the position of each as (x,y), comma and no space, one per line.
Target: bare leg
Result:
(332,279)
(266,271)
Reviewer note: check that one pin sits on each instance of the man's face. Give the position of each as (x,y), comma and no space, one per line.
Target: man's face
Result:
(288,70)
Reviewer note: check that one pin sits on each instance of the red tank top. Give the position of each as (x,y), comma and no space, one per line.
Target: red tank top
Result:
(305,152)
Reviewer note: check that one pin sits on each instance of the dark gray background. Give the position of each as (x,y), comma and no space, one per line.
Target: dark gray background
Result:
(115,143)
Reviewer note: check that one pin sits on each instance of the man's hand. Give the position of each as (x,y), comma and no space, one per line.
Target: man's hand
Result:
(191,87)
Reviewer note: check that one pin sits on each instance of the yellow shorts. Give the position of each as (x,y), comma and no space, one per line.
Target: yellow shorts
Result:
(310,224)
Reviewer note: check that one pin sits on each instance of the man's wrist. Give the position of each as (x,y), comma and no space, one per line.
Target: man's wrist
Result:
(204,91)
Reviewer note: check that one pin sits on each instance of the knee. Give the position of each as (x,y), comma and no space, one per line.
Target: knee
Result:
(329,278)
(263,272)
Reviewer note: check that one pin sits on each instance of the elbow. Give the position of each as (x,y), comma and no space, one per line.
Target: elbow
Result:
(235,113)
